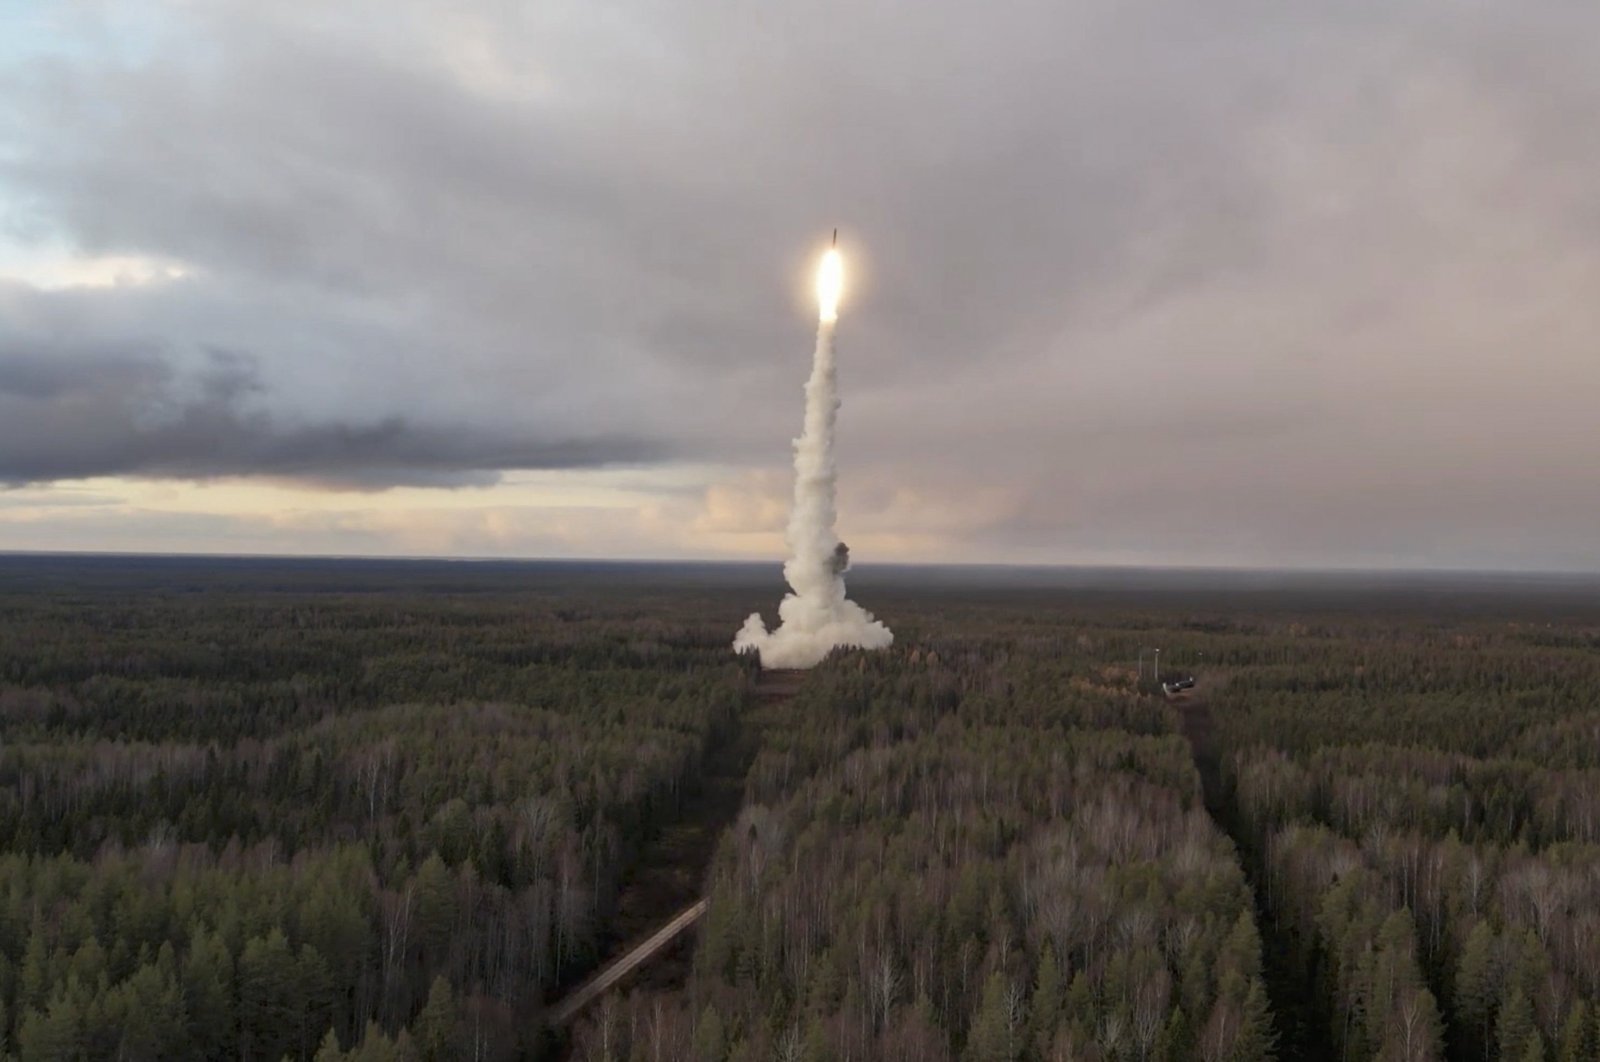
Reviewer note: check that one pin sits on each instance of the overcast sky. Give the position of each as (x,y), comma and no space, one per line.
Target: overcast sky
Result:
(1246,282)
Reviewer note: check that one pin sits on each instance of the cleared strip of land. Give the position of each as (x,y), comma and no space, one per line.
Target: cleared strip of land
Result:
(596,986)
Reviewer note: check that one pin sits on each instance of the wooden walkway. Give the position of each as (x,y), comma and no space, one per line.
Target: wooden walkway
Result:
(597,986)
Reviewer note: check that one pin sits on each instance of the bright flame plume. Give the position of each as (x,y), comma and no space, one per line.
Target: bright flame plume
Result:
(830,284)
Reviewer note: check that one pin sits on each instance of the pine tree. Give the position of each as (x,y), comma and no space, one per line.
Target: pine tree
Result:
(824,987)
(270,1003)
(1531,968)
(710,1041)
(1515,1026)
(1391,973)
(1255,1040)
(817,1048)
(319,996)
(207,982)
(436,1025)
(89,964)
(332,922)
(33,986)
(100,1026)
(8,970)
(1194,987)
(1475,986)
(435,908)
(1173,1043)
(991,1038)
(1534,1049)
(1080,999)
(53,1033)
(1577,1035)
(375,1046)
(719,945)
(329,1051)
(1241,950)
(149,1013)
(1049,993)
(1420,1026)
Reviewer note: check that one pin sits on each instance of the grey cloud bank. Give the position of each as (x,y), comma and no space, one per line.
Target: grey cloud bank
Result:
(1243,283)
(80,409)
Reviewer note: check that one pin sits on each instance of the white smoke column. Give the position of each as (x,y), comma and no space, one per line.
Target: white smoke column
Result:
(817,617)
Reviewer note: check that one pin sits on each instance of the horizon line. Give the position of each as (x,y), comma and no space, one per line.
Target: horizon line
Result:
(1062,566)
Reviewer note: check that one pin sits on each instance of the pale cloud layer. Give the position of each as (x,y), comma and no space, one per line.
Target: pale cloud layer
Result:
(1241,283)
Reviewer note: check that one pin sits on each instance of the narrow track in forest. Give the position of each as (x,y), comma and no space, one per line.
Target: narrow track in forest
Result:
(602,982)
(1299,1019)
(647,943)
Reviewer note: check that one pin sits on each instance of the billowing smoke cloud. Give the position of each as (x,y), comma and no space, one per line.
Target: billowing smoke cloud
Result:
(817,617)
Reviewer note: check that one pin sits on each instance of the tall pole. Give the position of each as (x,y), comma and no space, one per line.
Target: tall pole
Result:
(1158,667)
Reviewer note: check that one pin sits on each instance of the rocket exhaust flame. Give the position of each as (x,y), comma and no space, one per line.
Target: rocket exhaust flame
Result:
(816,617)
(830,283)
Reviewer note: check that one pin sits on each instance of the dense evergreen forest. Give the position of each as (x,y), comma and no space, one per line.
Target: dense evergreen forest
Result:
(245,820)
(367,810)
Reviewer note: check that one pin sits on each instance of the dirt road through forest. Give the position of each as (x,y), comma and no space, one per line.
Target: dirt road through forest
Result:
(662,892)
(1302,1027)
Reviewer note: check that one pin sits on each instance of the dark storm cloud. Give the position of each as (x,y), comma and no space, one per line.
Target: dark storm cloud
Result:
(1241,280)
(107,416)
